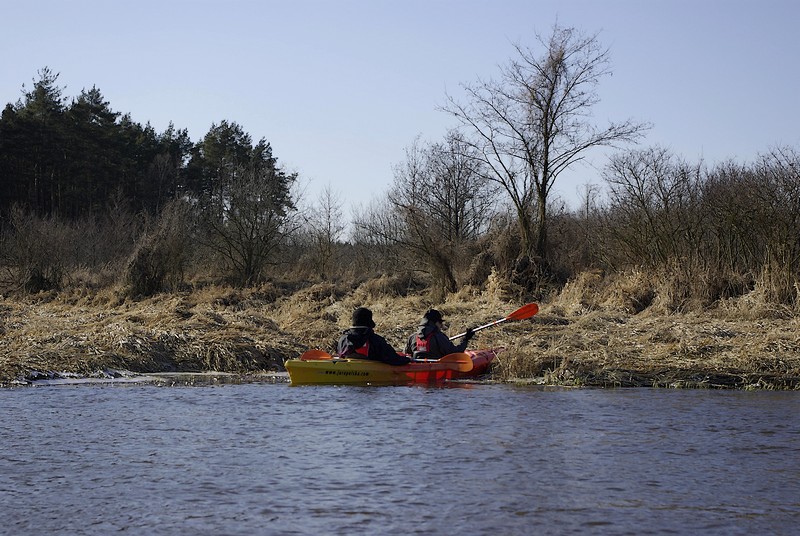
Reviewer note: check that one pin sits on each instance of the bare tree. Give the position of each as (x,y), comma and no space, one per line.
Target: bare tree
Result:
(443,202)
(655,207)
(246,222)
(376,233)
(756,219)
(325,227)
(535,123)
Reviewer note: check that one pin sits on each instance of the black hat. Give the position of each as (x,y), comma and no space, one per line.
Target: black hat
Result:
(363,317)
(432,316)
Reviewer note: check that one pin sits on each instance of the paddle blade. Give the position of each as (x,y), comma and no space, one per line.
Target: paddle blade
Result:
(461,360)
(526,311)
(315,355)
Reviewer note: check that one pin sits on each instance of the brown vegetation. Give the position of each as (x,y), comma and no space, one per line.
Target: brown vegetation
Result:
(593,333)
(665,285)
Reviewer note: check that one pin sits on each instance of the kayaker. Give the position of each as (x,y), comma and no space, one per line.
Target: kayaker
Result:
(429,342)
(362,342)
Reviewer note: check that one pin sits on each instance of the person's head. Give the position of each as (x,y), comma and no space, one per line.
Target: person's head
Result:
(433,317)
(363,317)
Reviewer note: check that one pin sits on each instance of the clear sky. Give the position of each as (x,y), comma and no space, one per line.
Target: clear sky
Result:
(340,88)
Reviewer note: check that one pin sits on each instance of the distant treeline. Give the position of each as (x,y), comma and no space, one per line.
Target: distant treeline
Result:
(83,185)
(90,199)
(70,159)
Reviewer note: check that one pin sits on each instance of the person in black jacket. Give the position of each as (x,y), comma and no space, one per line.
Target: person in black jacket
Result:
(360,341)
(429,342)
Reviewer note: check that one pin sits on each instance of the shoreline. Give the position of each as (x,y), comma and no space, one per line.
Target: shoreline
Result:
(605,379)
(126,377)
(245,333)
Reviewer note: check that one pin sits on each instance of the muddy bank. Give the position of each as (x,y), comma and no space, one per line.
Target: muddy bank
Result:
(254,331)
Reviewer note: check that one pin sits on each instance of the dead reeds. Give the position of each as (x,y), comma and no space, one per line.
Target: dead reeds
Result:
(594,333)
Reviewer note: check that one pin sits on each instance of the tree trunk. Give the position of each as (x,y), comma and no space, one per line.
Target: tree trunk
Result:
(443,271)
(541,231)
(530,238)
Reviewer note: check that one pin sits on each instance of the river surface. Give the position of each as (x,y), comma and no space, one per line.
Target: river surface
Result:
(259,458)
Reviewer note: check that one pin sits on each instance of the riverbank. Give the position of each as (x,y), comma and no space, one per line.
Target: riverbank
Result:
(570,342)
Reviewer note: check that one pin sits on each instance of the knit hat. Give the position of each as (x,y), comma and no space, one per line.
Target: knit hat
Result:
(432,316)
(363,317)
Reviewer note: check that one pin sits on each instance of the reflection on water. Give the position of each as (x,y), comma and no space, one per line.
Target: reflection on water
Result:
(257,458)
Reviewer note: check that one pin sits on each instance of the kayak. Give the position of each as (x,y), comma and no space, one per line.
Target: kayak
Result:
(318,367)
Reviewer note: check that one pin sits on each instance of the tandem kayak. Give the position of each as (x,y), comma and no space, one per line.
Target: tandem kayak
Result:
(318,367)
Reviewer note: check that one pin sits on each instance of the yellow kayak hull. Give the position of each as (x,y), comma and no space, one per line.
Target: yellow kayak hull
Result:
(367,372)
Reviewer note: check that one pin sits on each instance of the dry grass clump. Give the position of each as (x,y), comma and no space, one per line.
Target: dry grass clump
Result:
(755,305)
(395,285)
(596,332)
(630,292)
(500,288)
(581,294)
(312,313)
(168,332)
(598,349)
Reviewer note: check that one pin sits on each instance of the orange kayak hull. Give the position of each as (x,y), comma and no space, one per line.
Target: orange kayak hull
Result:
(366,372)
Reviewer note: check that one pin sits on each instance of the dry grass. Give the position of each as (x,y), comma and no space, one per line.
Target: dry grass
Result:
(596,332)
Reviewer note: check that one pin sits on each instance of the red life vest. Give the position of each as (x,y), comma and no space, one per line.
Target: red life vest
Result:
(423,343)
(348,349)
(364,350)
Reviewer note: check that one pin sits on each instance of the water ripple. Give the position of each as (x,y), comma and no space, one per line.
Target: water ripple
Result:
(275,459)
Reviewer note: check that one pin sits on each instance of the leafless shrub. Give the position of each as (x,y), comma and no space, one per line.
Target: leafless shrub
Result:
(654,213)
(778,281)
(440,202)
(376,232)
(160,257)
(36,253)
(316,251)
(755,223)
(479,269)
(245,223)
(504,243)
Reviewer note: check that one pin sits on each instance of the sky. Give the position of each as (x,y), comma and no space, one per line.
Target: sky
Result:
(341,88)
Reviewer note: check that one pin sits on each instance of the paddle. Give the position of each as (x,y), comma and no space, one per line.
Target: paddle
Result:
(526,311)
(461,360)
(315,355)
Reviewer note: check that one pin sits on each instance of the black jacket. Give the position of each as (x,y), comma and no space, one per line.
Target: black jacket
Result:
(379,349)
(438,346)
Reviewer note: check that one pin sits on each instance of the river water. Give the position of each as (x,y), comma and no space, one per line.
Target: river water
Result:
(259,458)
